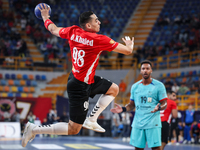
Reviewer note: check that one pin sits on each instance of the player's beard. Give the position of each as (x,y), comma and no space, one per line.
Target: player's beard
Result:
(146,76)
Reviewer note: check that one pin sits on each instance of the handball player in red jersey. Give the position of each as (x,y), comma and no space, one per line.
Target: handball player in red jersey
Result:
(86,46)
(166,115)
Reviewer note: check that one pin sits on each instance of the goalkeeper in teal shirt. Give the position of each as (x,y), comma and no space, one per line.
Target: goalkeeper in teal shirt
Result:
(148,97)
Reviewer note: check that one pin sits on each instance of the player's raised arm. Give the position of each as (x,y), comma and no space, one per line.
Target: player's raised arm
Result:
(47,22)
(128,49)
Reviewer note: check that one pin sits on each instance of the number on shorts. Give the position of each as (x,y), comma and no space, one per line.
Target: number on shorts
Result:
(86,105)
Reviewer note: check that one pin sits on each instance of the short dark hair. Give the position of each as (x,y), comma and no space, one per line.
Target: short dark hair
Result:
(146,62)
(85,18)
(171,92)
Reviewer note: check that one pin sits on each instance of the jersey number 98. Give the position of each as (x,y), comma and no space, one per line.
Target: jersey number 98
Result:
(78,56)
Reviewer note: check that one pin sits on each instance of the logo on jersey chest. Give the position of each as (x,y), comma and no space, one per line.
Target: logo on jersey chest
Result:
(149,100)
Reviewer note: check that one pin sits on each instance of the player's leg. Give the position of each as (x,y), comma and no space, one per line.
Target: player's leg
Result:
(109,91)
(78,106)
(104,101)
(61,128)
(177,132)
(138,139)
(170,133)
(164,134)
(174,125)
(153,136)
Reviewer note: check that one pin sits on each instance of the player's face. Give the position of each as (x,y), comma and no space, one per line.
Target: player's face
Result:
(94,24)
(172,96)
(146,71)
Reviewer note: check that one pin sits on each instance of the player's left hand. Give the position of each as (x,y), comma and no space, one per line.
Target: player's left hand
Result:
(156,108)
(44,11)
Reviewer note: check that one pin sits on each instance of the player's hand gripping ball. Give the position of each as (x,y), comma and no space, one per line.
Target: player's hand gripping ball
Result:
(37,11)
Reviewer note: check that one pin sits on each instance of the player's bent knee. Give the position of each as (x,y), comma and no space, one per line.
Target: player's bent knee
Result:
(113,90)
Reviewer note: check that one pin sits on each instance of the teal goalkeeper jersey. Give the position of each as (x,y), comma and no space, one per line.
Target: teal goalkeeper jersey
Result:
(146,97)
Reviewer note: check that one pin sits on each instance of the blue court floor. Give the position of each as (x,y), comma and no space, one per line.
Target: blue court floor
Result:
(79,143)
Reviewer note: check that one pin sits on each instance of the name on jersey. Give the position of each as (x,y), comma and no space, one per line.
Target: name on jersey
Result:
(81,40)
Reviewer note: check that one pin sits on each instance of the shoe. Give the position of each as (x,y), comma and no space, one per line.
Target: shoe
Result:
(128,139)
(185,142)
(169,143)
(28,134)
(93,126)
(177,143)
(192,140)
(181,142)
(181,138)
(123,139)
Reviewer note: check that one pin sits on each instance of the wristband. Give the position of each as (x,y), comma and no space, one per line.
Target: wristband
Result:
(47,23)
(123,109)
(159,108)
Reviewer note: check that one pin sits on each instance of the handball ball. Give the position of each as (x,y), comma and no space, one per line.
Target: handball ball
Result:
(37,11)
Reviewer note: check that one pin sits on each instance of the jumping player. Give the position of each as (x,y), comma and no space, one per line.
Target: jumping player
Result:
(166,115)
(86,46)
(148,97)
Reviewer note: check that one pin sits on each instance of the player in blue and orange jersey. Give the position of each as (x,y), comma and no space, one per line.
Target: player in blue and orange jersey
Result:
(148,97)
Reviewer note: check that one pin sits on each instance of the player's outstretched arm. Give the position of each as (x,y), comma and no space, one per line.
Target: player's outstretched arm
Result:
(118,109)
(128,49)
(48,23)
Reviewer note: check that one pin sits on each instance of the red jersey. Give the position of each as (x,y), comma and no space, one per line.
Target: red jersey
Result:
(166,114)
(86,48)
